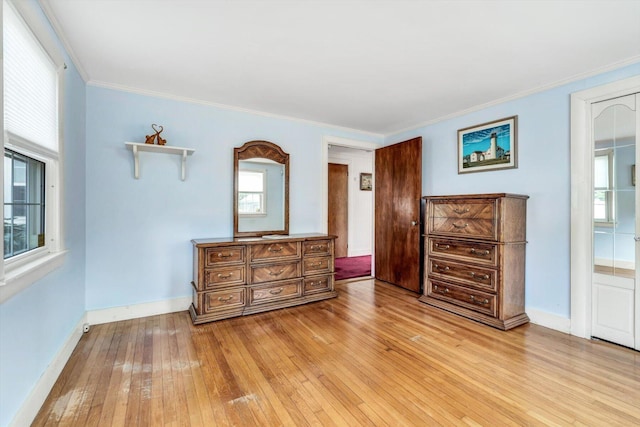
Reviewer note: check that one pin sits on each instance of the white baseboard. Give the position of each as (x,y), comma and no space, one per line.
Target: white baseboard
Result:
(548,320)
(359,252)
(32,404)
(126,312)
(27,413)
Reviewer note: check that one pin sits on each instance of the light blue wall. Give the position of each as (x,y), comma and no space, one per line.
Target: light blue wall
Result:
(139,231)
(543,173)
(35,323)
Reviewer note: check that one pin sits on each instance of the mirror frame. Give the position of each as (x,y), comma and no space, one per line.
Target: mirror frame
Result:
(265,150)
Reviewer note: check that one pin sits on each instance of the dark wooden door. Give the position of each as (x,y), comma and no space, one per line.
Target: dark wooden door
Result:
(398,188)
(338,206)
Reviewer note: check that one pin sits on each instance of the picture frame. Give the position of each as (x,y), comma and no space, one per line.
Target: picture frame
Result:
(488,146)
(366,182)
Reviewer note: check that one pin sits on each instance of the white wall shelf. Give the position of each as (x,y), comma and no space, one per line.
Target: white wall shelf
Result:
(137,147)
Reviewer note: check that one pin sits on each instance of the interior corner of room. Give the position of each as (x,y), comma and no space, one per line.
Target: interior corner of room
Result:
(423,181)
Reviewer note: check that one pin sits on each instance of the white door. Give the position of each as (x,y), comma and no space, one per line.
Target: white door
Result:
(615,298)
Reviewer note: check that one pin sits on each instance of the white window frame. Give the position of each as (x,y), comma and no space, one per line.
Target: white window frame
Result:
(609,193)
(21,271)
(263,193)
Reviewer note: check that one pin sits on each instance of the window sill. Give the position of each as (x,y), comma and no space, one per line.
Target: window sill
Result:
(19,278)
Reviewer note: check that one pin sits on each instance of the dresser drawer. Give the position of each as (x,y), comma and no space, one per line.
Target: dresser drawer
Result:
(274,292)
(468,218)
(316,284)
(224,255)
(479,253)
(317,265)
(273,272)
(479,301)
(274,251)
(465,209)
(316,248)
(224,276)
(480,278)
(223,300)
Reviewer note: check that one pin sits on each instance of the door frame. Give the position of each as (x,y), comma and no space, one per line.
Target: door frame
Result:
(328,140)
(582,202)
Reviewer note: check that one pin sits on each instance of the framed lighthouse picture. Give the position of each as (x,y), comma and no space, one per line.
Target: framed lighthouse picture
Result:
(489,146)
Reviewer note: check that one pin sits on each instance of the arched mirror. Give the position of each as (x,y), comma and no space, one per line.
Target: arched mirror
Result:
(260,190)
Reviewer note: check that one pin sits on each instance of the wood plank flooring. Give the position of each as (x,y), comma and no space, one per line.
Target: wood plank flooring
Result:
(374,356)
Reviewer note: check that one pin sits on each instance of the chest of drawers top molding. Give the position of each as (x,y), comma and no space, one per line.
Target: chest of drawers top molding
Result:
(246,275)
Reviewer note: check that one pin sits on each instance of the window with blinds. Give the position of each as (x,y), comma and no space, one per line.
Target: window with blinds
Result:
(31,82)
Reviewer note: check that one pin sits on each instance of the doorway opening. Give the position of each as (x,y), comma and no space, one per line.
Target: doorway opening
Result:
(349,205)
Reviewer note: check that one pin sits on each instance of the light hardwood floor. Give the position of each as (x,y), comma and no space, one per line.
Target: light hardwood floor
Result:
(373,356)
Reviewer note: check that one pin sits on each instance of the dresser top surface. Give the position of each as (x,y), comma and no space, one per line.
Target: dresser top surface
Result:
(477,196)
(258,240)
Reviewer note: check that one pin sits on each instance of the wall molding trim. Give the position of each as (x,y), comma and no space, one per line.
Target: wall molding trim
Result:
(523,94)
(135,311)
(154,94)
(548,320)
(32,404)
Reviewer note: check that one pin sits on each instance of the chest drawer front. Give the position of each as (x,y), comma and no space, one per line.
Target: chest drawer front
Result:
(215,277)
(465,209)
(274,292)
(479,228)
(222,300)
(275,251)
(479,301)
(480,253)
(477,277)
(272,272)
(313,285)
(224,255)
(316,248)
(469,218)
(317,265)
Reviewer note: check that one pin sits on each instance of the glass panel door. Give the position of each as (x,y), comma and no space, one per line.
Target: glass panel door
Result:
(614,220)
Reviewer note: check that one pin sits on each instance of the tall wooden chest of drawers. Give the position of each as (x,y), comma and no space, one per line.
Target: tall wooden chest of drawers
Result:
(474,257)
(235,277)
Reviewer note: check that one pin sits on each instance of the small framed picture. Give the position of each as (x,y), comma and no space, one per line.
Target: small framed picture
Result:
(488,146)
(366,184)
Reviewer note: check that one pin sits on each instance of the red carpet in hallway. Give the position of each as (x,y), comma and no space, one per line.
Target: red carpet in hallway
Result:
(357,266)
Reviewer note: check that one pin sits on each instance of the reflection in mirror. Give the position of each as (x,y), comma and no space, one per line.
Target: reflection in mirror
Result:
(261,190)
(614,190)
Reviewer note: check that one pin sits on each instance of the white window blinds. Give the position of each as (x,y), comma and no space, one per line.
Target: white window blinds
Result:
(30,84)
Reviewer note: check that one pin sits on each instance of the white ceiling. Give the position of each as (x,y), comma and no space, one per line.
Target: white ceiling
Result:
(377,66)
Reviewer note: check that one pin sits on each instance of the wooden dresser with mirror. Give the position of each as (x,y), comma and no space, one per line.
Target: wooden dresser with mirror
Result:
(475,257)
(261,267)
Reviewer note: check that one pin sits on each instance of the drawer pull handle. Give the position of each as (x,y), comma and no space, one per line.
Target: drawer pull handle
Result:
(317,247)
(479,277)
(461,211)
(442,291)
(443,247)
(224,276)
(276,291)
(223,255)
(272,249)
(227,299)
(441,268)
(478,301)
(482,253)
(316,284)
(277,273)
(460,226)
(316,264)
